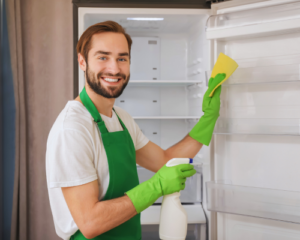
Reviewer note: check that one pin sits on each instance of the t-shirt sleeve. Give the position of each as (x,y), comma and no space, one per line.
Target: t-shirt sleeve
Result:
(140,139)
(70,159)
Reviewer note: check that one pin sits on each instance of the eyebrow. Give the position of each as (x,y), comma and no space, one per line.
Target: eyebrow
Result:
(124,54)
(109,53)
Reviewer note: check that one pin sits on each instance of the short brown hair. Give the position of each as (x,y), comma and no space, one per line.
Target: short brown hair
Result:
(84,44)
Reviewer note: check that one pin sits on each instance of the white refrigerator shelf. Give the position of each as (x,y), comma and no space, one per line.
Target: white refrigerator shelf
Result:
(258,126)
(277,18)
(158,83)
(256,202)
(166,117)
(194,212)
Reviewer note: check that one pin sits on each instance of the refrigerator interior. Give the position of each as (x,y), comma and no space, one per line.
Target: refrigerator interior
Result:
(151,232)
(169,59)
(255,186)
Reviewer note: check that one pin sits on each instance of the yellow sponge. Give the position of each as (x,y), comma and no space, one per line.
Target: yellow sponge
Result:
(225,65)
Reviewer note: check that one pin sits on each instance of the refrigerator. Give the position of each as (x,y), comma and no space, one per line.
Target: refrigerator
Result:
(247,184)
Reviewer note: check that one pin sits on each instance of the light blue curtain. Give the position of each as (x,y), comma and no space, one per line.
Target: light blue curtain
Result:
(7,132)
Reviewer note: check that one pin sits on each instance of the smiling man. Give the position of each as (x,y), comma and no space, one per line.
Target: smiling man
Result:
(93,148)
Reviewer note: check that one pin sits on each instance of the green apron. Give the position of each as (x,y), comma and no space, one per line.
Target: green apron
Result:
(123,176)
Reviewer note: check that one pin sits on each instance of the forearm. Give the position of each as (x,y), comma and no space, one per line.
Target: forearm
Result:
(186,148)
(106,215)
(153,157)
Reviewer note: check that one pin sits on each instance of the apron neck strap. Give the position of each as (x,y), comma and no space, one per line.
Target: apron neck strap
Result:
(123,125)
(87,102)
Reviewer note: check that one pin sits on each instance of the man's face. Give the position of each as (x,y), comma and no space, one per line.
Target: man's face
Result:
(108,66)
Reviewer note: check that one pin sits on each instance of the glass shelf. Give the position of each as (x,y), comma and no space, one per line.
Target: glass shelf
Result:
(253,21)
(195,214)
(265,126)
(256,202)
(154,83)
(166,117)
(272,73)
(266,74)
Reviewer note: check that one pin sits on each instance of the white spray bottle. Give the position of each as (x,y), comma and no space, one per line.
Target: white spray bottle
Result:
(173,217)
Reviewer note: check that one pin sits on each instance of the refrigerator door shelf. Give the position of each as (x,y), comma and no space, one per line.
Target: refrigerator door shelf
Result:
(262,101)
(264,74)
(261,21)
(251,201)
(195,214)
(258,126)
(193,186)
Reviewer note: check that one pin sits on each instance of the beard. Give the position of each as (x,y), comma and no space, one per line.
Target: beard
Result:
(95,83)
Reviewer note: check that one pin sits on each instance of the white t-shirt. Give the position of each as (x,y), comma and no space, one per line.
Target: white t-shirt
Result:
(76,155)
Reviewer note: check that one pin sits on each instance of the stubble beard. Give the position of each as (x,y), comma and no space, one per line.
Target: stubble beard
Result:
(94,83)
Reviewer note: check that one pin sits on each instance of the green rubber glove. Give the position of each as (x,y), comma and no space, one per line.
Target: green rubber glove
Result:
(203,130)
(166,181)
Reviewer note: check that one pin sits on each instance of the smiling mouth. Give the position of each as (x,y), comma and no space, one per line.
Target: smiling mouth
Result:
(111,80)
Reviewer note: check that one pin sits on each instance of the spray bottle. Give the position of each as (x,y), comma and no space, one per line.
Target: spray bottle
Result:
(173,217)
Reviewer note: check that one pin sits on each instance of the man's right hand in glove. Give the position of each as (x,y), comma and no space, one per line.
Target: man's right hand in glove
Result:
(166,181)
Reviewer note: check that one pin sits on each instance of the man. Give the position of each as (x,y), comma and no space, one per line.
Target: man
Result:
(93,148)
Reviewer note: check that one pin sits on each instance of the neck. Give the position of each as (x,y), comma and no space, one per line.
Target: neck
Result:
(103,105)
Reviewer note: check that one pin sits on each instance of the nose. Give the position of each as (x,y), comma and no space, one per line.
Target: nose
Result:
(113,67)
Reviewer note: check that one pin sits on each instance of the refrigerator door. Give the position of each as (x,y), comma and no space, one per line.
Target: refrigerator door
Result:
(254,192)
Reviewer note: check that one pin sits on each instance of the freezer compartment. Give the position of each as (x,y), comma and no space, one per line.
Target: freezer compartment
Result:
(161,101)
(266,126)
(193,186)
(262,20)
(251,201)
(196,222)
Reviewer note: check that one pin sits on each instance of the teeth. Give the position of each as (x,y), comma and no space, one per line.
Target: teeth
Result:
(111,79)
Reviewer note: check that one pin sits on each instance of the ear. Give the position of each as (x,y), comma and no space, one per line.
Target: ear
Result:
(82,63)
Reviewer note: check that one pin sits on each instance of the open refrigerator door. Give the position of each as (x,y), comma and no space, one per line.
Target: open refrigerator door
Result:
(254,190)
